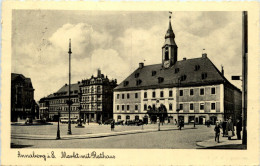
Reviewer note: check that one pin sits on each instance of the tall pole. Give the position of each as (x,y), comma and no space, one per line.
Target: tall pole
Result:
(244,74)
(58,129)
(69,102)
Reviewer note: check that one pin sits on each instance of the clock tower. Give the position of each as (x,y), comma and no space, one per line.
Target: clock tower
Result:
(169,49)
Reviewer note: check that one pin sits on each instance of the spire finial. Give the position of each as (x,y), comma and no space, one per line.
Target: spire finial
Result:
(170,15)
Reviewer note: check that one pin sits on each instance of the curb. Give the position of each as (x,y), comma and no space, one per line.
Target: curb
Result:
(68,137)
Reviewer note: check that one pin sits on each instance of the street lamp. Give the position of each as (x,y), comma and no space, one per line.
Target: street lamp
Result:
(69,102)
(178,110)
(177,99)
(58,128)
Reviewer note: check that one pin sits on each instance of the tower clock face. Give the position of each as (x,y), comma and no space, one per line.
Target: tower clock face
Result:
(166,64)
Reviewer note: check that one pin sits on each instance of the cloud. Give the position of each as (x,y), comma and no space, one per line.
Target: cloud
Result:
(118,52)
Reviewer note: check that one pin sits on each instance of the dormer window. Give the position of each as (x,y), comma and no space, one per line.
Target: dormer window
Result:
(160,80)
(204,76)
(126,83)
(138,82)
(153,73)
(197,67)
(183,77)
(177,70)
(136,75)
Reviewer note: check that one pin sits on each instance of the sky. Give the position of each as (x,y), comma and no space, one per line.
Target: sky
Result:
(115,42)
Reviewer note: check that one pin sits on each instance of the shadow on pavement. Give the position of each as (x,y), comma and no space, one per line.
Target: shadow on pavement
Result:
(20,146)
(227,147)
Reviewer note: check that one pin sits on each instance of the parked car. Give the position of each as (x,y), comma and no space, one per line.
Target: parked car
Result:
(66,120)
(130,122)
(138,122)
(120,122)
(109,121)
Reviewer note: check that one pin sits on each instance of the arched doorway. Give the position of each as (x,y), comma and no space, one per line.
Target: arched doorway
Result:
(202,120)
(213,120)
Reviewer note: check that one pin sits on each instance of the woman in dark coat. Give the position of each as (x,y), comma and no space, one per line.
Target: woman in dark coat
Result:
(112,125)
(230,129)
(224,124)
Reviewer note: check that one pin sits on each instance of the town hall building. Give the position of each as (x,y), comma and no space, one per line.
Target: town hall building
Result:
(190,89)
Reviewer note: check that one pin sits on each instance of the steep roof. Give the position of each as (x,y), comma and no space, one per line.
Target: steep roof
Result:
(15,75)
(27,81)
(184,70)
(64,90)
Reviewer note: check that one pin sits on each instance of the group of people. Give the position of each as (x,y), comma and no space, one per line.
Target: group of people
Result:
(228,129)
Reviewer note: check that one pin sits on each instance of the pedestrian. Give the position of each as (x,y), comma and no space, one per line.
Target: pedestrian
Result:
(208,123)
(176,122)
(112,125)
(224,124)
(230,129)
(181,124)
(239,129)
(217,131)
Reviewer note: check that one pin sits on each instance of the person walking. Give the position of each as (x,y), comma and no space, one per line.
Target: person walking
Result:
(112,125)
(239,129)
(176,123)
(217,131)
(181,124)
(230,129)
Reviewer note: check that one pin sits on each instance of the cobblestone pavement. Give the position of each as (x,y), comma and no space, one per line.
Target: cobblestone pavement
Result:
(89,129)
(170,139)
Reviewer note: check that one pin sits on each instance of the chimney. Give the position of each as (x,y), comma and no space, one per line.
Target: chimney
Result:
(184,58)
(141,65)
(204,55)
(222,70)
(99,73)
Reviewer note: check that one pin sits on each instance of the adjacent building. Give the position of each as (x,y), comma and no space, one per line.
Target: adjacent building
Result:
(190,89)
(22,98)
(57,102)
(92,100)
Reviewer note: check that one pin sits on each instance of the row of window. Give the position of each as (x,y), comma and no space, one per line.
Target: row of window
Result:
(127,117)
(201,91)
(126,107)
(63,108)
(91,106)
(87,98)
(191,106)
(58,101)
(92,89)
(127,96)
(201,106)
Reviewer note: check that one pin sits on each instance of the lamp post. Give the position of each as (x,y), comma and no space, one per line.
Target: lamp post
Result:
(178,110)
(58,128)
(177,99)
(194,121)
(69,102)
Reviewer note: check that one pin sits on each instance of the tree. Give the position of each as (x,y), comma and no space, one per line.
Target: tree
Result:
(160,112)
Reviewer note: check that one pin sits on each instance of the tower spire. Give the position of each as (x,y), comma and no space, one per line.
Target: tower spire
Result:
(169,33)
(169,49)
